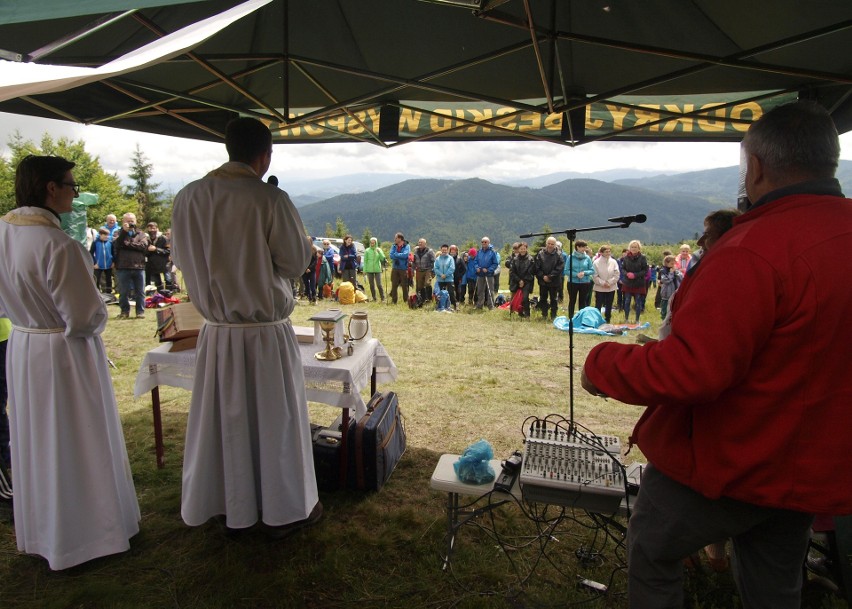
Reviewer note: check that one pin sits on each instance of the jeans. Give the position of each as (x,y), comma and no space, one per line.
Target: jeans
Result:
(309,281)
(131,279)
(639,304)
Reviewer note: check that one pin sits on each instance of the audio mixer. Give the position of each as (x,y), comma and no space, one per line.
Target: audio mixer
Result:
(574,469)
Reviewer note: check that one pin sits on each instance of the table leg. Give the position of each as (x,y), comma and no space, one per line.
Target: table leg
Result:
(373,383)
(344,448)
(158,427)
(452,523)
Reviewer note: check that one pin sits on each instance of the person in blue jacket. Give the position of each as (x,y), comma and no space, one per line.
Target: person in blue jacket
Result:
(101,252)
(470,277)
(444,269)
(581,271)
(399,267)
(485,263)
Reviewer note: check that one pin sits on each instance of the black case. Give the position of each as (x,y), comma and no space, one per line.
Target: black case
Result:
(379,443)
(327,454)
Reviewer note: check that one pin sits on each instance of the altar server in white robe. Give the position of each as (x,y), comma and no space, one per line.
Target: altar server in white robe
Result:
(239,241)
(74,494)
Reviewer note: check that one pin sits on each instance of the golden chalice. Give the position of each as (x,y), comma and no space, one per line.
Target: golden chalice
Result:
(331,353)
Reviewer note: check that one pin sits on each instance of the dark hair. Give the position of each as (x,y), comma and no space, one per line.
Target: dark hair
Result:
(722,219)
(33,175)
(798,138)
(444,245)
(400,236)
(580,243)
(246,139)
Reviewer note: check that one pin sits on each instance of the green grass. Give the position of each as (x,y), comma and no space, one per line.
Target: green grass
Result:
(462,377)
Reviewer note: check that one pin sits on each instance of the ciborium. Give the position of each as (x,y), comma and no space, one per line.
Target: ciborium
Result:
(331,353)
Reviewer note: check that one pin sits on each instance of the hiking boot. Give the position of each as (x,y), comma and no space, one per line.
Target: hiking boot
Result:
(123,316)
(140,316)
(285,530)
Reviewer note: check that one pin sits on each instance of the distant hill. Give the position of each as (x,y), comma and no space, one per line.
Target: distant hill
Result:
(717,185)
(461,211)
(608,175)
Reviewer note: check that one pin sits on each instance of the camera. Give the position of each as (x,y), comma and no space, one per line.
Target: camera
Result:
(131,225)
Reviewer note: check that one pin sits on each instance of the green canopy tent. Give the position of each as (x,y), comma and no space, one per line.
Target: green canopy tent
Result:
(75,221)
(391,72)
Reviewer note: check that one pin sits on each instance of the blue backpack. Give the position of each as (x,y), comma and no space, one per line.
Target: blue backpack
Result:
(443,300)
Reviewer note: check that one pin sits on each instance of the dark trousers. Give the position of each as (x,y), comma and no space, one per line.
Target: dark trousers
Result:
(106,274)
(376,279)
(583,290)
(470,289)
(604,299)
(155,277)
(548,292)
(671,521)
(309,283)
(525,299)
(399,277)
(638,304)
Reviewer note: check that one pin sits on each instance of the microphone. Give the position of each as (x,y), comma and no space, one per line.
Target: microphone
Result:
(638,218)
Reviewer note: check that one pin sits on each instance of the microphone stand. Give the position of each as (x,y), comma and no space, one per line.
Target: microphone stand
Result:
(571,234)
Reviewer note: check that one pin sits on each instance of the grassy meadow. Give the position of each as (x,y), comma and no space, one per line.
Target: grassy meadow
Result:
(462,377)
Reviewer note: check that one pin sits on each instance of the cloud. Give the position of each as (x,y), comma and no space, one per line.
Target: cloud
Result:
(178,161)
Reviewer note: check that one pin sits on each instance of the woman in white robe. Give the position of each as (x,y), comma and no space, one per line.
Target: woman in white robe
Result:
(74,494)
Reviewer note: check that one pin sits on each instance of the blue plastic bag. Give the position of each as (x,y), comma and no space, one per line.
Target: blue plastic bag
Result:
(473,466)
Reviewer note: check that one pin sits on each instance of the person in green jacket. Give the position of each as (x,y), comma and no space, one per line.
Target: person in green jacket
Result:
(374,259)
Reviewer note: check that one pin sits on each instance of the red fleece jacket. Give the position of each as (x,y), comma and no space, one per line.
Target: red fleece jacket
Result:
(761,404)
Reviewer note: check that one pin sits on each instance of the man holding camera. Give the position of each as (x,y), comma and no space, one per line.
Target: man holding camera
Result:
(130,246)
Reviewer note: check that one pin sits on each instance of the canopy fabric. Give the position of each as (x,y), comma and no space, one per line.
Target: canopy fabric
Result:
(392,72)
(20,79)
(43,10)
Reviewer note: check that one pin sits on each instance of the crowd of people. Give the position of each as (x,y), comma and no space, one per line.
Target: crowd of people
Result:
(472,277)
(134,258)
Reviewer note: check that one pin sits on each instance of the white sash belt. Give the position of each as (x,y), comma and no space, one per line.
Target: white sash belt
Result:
(254,324)
(39,330)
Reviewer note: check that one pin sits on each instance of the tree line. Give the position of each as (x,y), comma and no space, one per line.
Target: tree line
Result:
(141,196)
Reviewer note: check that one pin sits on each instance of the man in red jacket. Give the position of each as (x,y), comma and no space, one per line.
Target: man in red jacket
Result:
(748,440)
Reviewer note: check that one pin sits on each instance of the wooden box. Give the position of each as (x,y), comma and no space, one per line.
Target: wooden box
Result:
(178,321)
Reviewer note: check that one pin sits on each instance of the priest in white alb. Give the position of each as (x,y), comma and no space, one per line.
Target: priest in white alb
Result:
(239,242)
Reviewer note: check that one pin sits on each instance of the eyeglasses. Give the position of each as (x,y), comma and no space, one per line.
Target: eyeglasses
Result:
(75,187)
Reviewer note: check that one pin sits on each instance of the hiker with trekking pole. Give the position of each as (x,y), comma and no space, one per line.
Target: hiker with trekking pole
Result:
(485,264)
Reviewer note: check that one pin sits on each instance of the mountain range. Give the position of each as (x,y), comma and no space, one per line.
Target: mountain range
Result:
(462,211)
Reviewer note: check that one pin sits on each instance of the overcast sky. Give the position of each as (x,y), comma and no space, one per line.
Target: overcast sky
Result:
(178,161)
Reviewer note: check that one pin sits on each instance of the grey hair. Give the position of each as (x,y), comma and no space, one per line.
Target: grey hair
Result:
(795,138)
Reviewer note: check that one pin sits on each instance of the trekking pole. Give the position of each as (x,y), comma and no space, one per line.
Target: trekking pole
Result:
(387,293)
